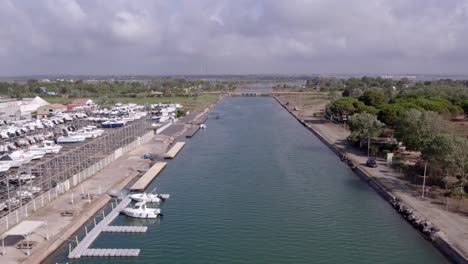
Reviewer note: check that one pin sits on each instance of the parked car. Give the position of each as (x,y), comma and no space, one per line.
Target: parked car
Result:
(371,163)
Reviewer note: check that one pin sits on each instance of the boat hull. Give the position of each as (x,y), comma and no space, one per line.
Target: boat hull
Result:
(148,213)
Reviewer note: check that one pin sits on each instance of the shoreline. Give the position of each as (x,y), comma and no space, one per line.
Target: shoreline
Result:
(440,240)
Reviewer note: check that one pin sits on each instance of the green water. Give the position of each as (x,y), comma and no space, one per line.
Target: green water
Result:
(257,187)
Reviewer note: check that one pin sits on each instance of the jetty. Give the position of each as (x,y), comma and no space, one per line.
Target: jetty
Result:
(192,131)
(148,176)
(82,249)
(174,150)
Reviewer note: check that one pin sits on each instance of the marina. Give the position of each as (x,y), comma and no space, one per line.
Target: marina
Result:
(334,216)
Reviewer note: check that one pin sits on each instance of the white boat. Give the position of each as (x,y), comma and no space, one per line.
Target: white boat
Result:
(139,210)
(34,154)
(71,139)
(6,161)
(146,197)
(13,202)
(21,155)
(34,189)
(22,177)
(4,167)
(24,194)
(47,146)
(202,126)
(14,161)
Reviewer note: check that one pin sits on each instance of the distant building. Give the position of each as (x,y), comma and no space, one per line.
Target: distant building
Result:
(82,102)
(32,104)
(46,110)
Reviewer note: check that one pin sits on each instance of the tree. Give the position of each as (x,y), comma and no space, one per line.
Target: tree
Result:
(364,125)
(342,107)
(373,98)
(464,105)
(439,149)
(414,128)
(460,161)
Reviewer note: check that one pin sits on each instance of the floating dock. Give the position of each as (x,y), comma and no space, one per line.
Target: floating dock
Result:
(192,131)
(125,229)
(202,119)
(148,176)
(174,150)
(110,252)
(83,250)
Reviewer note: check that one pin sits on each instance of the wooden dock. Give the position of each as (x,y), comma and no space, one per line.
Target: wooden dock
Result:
(174,150)
(125,229)
(148,176)
(192,131)
(83,250)
(111,252)
(202,119)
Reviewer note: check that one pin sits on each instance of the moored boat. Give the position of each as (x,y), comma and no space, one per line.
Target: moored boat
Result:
(139,210)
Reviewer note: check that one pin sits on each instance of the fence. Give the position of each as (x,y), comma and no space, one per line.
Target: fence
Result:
(14,217)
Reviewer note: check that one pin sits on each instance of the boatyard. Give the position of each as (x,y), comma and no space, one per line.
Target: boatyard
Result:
(63,182)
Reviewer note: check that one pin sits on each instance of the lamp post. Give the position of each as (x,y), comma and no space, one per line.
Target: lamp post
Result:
(424,179)
(368,146)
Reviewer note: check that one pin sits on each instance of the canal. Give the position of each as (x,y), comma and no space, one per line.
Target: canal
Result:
(257,187)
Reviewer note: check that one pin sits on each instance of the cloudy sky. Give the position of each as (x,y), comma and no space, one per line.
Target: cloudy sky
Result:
(233,36)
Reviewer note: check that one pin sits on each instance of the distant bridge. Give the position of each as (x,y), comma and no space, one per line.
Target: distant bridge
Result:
(272,93)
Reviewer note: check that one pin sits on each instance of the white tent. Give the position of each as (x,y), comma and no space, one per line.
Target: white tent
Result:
(33,104)
(25,229)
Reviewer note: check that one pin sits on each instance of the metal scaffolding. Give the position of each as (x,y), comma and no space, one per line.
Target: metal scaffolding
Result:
(74,158)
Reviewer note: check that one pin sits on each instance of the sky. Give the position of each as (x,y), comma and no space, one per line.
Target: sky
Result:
(233,37)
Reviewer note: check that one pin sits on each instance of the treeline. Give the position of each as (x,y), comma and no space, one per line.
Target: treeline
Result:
(416,114)
(164,86)
(391,98)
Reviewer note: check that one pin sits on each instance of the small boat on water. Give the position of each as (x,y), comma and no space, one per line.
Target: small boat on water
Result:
(149,197)
(139,210)
(202,126)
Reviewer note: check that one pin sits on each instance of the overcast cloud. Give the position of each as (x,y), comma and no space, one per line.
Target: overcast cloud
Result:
(235,37)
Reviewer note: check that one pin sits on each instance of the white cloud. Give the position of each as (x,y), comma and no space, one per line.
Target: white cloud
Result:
(238,36)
